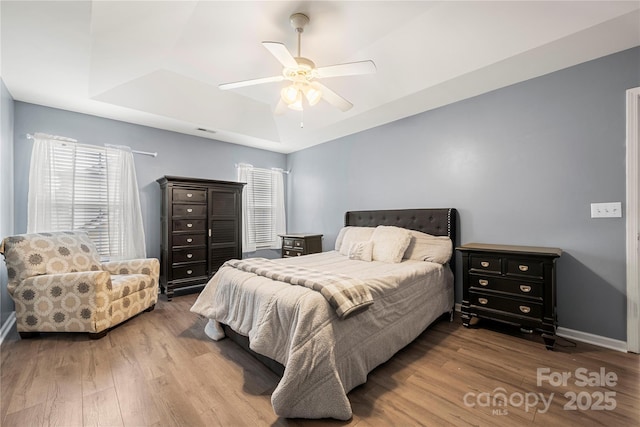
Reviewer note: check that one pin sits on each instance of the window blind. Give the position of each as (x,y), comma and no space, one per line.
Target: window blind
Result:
(263,223)
(80,192)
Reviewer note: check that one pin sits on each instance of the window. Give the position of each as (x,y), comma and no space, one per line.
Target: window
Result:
(82,187)
(262,208)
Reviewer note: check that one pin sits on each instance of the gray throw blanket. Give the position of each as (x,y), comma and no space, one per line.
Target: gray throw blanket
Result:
(347,295)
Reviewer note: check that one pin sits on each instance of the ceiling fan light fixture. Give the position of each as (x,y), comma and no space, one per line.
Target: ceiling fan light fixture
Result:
(313,95)
(290,94)
(297,105)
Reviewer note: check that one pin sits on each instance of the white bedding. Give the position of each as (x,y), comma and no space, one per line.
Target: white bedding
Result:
(325,357)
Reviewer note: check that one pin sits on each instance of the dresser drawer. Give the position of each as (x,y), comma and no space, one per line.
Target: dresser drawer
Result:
(184,210)
(189,195)
(520,288)
(189,255)
(293,243)
(189,224)
(489,264)
(189,271)
(291,252)
(524,267)
(509,305)
(189,239)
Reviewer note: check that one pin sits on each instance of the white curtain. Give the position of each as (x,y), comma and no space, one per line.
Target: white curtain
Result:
(245,174)
(126,230)
(278,212)
(81,187)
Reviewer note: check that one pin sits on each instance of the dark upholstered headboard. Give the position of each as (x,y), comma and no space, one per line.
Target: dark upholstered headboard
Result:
(438,222)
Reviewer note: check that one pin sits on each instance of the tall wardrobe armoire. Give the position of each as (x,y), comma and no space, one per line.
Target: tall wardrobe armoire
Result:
(201,229)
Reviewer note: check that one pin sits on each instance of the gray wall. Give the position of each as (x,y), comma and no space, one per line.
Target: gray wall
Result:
(521,164)
(178,155)
(6,191)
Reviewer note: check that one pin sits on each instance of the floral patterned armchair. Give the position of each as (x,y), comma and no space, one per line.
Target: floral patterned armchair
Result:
(58,284)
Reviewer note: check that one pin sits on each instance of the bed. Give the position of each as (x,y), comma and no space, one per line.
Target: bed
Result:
(322,345)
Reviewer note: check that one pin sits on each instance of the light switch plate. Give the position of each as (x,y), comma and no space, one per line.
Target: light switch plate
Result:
(606,210)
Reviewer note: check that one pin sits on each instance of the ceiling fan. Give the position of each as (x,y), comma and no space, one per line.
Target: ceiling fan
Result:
(303,75)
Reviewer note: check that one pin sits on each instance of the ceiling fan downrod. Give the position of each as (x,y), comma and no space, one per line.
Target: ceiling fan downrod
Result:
(298,22)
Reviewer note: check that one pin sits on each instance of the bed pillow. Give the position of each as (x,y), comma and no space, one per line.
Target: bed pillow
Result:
(352,235)
(390,243)
(362,251)
(426,247)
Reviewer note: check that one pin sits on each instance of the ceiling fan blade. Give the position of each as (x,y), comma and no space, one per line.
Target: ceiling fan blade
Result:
(347,69)
(281,53)
(243,83)
(281,108)
(332,98)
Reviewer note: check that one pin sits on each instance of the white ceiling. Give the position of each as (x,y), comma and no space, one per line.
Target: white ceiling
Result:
(159,63)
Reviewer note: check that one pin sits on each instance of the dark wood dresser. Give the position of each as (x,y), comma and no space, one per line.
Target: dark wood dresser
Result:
(511,284)
(300,244)
(201,229)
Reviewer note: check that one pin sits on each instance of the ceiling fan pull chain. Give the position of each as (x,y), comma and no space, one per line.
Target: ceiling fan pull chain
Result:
(302,119)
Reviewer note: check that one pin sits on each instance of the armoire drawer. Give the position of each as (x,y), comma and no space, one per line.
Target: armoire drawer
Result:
(189,255)
(189,224)
(189,271)
(197,239)
(189,195)
(184,210)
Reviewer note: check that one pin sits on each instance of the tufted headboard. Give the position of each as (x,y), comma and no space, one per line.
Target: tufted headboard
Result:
(438,222)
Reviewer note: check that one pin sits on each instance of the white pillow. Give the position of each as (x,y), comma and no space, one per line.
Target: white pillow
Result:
(362,251)
(352,235)
(426,247)
(390,243)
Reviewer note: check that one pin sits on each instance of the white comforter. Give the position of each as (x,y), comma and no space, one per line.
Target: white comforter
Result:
(325,357)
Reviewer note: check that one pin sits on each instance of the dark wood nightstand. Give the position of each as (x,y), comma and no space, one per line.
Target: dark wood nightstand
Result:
(511,284)
(300,244)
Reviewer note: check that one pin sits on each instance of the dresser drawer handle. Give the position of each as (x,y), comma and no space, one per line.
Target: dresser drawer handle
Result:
(485,264)
(298,243)
(189,272)
(525,288)
(483,301)
(189,195)
(189,240)
(525,309)
(523,267)
(189,256)
(189,210)
(483,282)
(189,225)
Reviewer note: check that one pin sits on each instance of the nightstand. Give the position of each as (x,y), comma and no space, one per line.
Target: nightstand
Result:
(511,284)
(300,244)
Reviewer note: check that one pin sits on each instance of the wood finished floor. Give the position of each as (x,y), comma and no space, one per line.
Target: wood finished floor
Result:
(159,369)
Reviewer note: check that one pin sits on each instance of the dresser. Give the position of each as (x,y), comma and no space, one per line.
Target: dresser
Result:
(511,284)
(201,229)
(300,244)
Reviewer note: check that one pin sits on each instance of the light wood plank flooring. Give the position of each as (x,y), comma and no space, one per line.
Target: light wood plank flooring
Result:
(159,369)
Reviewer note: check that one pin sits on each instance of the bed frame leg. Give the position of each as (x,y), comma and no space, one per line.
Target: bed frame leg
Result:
(451,313)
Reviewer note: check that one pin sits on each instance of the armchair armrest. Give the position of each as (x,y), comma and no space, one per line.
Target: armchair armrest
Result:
(149,266)
(67,302)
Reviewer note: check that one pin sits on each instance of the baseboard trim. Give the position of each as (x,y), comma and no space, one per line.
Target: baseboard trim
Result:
(7,325)
(585,337)
(588,338)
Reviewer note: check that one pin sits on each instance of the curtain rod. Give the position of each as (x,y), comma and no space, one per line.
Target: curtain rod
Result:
(145,153)
(273,169)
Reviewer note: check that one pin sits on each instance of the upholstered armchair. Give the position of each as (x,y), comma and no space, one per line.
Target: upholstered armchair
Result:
(58,284)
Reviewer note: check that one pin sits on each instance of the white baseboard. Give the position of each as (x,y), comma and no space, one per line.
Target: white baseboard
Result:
(6,326)
(588,338)
(585,337)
